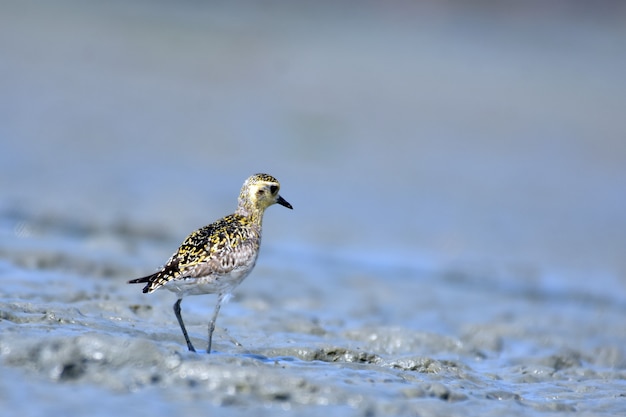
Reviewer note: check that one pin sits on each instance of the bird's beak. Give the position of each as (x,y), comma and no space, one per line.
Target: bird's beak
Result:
(283,202)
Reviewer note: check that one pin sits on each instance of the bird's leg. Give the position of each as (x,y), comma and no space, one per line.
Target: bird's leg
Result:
(182,325)
(220,298)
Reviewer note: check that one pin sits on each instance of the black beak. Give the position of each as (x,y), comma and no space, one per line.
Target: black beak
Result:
(283,202)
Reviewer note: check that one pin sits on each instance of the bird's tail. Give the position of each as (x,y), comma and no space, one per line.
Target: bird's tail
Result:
(148,279)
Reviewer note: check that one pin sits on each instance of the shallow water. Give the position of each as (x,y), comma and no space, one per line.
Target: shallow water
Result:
(456,244)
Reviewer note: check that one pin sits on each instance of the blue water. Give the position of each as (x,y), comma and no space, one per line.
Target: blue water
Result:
(457,179)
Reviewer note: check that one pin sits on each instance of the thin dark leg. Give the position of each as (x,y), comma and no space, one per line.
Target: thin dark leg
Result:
(220,298)
(182,325)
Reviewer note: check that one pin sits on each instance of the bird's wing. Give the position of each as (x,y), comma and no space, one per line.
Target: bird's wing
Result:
(216,249)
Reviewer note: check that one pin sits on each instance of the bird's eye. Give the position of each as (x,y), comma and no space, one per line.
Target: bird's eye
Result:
(274,189)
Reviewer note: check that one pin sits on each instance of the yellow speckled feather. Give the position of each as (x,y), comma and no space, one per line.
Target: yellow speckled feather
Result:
(229,243)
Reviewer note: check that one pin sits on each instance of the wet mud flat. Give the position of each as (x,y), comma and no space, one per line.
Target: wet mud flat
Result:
(315,334)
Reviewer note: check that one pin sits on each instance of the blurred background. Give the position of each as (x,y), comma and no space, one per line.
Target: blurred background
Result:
(432,134)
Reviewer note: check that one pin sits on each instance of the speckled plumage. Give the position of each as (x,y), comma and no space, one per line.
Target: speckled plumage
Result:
(216,258)
(209,255)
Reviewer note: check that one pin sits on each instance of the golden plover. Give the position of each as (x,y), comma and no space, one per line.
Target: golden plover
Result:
(217,258)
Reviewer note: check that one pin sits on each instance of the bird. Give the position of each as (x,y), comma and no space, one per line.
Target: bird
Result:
(218,257)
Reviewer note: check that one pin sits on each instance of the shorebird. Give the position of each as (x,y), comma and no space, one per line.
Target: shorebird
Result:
(216,258)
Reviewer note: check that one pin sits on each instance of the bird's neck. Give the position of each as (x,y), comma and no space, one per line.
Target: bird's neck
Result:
(254,215)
